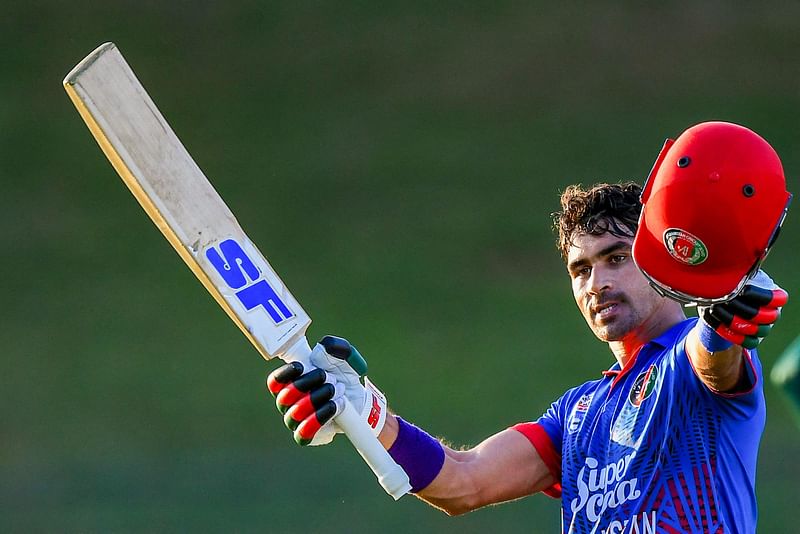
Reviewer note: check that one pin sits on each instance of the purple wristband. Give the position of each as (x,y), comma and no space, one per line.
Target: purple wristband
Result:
(712,341)
(419,454)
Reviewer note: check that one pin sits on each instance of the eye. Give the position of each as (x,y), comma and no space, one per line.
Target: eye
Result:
(581,272)
(618,258)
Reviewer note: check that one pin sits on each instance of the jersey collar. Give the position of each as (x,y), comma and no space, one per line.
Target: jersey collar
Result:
(665,340)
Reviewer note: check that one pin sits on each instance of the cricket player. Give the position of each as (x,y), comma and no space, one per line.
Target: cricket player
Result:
(666,439)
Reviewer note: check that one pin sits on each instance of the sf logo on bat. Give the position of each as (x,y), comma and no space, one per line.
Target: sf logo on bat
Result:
(246,279)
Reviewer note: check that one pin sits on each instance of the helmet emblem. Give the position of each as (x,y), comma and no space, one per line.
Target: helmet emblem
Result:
(685,247)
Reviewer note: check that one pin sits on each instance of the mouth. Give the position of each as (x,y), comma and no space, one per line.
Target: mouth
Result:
(605,310)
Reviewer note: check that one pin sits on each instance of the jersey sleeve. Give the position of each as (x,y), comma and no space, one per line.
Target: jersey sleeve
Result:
(546,436)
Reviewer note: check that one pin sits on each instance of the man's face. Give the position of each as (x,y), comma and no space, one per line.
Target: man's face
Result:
(613,295)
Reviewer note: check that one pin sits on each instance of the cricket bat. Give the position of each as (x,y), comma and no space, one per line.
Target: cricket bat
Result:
(187,209)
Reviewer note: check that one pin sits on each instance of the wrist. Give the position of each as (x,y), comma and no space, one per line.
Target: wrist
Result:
(711,340)
(419,454)
(389,432)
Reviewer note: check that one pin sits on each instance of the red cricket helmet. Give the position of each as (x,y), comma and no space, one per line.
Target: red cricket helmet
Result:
(711,209)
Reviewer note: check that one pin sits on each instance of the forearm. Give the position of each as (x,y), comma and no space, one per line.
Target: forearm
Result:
(721,371)
(453,490)
(716,345)
(503,467)
(457,489)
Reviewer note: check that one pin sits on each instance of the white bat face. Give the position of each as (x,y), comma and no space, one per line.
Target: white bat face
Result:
(182,203)
(255,293)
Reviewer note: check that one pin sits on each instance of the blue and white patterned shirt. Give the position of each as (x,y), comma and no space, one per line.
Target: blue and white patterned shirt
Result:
(650,448)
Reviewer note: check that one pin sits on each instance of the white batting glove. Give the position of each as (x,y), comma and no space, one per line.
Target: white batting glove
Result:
(310,399)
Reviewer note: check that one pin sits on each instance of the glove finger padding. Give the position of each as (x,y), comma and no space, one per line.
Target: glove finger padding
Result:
(744,310)
(299,388)
(718,314)
(772,297)
(746,319)
(309,430)
(339,356)
(340,359)
(745,334)
(307,405)
(283,376)
(306,400)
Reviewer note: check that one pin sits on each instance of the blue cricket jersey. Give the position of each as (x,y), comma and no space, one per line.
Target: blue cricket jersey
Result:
(650,448)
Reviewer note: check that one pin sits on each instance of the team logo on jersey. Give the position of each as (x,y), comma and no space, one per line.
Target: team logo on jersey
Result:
(579,412)
(643,386)
(631,421)
(685,247)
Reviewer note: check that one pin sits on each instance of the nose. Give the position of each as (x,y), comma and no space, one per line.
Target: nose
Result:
(600,280)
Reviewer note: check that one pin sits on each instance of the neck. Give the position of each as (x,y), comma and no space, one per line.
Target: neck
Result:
(625,348)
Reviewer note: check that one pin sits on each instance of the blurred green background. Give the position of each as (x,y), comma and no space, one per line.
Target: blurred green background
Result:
(397,164)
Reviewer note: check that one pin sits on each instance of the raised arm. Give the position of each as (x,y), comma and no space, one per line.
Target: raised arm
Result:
(715,346)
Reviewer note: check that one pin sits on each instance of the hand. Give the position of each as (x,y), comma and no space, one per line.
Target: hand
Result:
(746,319)
(311,398)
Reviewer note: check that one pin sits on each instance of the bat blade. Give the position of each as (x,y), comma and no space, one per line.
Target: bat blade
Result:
(184,205)
(181,201)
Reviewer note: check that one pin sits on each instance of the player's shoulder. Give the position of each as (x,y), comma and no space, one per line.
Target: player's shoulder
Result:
(580,392)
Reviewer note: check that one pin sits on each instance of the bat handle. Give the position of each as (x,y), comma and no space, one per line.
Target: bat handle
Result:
(390,475)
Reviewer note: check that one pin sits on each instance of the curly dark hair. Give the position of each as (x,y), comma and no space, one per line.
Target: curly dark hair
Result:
(612,208)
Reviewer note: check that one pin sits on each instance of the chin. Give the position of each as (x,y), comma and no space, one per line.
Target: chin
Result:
(603,336)
(608,333)
(599,332)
